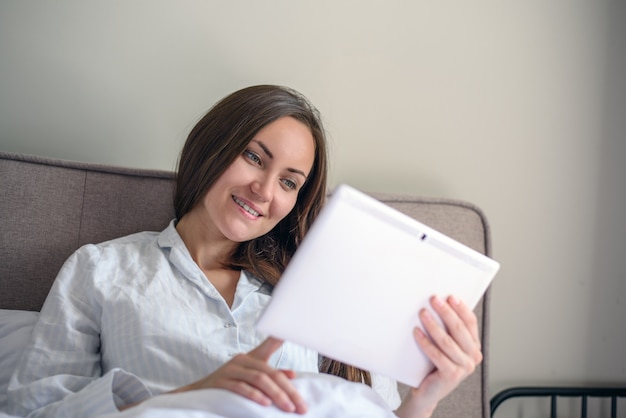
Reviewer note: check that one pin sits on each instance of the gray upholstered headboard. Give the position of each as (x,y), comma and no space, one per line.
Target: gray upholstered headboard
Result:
(49,208)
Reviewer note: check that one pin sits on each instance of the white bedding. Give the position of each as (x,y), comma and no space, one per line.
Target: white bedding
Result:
(326,396)
(15,331)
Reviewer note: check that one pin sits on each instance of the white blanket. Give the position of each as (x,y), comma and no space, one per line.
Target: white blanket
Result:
(326,396)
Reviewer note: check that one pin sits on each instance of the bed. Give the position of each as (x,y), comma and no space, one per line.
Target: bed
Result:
(553,401)
(50,207)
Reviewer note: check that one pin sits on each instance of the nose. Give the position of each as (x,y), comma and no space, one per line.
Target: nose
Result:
(262,188)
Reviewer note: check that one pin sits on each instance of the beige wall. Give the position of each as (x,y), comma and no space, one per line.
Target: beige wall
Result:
(508,104)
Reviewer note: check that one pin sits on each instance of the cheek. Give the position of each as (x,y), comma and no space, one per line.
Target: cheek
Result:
(283,207)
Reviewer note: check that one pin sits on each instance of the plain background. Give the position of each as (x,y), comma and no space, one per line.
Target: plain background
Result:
(517,106)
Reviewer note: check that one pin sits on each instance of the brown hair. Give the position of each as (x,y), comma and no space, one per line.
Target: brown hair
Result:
(218,139)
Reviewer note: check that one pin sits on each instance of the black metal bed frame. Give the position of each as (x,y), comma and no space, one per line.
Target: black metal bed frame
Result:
(554,392)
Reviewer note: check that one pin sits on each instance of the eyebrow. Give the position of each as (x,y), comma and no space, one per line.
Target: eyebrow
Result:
(269,154)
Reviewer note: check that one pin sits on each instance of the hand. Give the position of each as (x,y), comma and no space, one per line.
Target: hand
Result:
(250,376)
(454,350)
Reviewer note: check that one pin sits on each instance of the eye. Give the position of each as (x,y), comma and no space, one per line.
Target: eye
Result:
(252,156)
(290,184)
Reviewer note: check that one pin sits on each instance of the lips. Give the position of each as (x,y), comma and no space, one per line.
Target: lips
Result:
(245,207)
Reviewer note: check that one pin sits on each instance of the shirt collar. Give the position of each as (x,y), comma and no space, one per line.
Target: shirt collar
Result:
(169,238)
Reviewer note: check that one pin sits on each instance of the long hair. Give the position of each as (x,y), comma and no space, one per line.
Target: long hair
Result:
(220,137)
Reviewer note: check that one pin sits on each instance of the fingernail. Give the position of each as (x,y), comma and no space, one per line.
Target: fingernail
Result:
(437,301)
(289,406)
(426,315)
(419,332)
(455,301)
(302,408)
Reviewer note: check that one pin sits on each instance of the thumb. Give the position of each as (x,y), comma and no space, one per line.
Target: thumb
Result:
(265,350)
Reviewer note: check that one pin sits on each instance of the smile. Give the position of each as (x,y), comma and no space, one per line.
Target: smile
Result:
(246,207)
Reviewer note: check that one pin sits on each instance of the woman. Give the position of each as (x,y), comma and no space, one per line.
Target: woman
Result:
(149,313)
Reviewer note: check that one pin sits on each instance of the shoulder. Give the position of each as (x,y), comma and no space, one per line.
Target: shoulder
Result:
(137,238)
(123,244)
(91,258)
(93,254)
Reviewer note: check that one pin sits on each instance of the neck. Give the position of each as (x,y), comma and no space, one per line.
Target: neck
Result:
(210,250)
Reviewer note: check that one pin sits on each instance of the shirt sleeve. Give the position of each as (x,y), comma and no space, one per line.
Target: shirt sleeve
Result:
(387,388)
(60,372)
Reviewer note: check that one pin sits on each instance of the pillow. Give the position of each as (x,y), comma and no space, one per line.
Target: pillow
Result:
(16,328)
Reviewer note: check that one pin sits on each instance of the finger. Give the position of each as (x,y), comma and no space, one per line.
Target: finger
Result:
(275,384)
(271,383)
(430,349)
(464,327)
(440,347)
(284,381)
(465,335)
(265,350)
(248,391)
(467,315)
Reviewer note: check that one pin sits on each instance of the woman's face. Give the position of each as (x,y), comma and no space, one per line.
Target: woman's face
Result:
(261,186)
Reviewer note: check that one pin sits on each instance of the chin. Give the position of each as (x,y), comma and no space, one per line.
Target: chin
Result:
(239,238)
(243,234)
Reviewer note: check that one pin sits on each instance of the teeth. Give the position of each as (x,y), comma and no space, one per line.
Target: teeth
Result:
(246,207)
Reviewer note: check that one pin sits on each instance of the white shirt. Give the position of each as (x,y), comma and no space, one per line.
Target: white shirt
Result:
(134,317)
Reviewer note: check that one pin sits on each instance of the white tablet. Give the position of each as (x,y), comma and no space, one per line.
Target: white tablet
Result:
(355,285)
